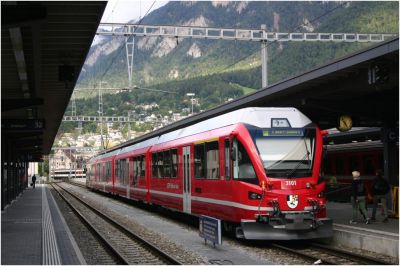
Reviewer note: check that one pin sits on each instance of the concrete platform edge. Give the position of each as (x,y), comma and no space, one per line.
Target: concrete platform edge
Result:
(366,239)
(78,252)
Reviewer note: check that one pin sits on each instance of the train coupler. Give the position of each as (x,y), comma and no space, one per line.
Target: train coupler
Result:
(262,218)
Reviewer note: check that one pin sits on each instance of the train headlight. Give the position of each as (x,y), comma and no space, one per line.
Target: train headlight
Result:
(254,195)
(308,185)
(321,194)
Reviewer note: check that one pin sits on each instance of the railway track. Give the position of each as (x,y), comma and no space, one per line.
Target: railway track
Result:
(326,255)
(128,247)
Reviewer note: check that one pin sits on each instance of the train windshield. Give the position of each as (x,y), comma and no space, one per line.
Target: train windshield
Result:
(286,153)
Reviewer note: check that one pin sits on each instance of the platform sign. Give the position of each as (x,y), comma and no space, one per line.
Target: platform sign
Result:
(22,124)
(210,229)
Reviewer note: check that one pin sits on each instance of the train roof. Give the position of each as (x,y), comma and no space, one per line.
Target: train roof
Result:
(255,116)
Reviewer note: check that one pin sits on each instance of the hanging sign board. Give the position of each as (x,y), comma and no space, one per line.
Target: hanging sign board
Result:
(22,124)
(210,229)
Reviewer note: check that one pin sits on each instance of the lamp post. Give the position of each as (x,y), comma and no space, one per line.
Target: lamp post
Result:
(191,95)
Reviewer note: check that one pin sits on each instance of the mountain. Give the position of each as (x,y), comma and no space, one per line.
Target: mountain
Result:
(217,70)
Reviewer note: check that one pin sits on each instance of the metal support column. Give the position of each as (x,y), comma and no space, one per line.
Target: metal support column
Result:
(130,47)
(101,115)
(264,57)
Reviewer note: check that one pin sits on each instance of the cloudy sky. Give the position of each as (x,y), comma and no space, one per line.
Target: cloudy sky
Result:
(122,11)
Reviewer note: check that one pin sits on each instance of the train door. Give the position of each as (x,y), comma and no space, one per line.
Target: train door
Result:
(186,180)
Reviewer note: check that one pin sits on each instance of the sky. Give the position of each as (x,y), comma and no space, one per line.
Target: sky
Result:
(122,11)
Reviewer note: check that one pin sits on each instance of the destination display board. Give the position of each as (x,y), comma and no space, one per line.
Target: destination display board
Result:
(283,132)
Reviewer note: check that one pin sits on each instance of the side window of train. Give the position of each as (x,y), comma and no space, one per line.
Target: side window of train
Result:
(199,164)
(174,158)
(154,165)
(116,169)
(108,171)
(243,168)
(369,165)
(227,159)
(142,166)
(98,171)
(354,163)
(212,160)
(160,165)
(167,163)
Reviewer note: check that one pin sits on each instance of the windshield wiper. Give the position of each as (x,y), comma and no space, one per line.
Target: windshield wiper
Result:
(306,156)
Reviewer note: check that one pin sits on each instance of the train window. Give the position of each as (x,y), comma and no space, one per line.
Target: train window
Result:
(354,163)
(369,165)
(142,166)
(245,167)
(116,170)
(98,172)
(199,161)
(108,170)
(227,160)
(174,157)
(212,162)
(103,172)
(339,165)
(154,165)
(136,169)
(160,165)
(167,163)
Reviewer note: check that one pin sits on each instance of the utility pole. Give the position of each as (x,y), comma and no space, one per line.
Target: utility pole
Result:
(101,114)
(264,57)
(191,95)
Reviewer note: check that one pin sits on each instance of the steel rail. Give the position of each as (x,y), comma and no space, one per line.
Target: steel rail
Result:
(168,258)
(368,260)
(318,253)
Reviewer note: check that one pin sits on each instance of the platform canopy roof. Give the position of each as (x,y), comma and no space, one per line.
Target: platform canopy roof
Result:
(43,48)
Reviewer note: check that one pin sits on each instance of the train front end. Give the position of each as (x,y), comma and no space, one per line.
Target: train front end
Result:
(290,193)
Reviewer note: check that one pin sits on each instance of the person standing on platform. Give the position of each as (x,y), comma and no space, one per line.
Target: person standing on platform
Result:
(358,198)
(380,188)
(33,180)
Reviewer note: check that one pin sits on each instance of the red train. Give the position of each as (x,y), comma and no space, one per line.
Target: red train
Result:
(256,169)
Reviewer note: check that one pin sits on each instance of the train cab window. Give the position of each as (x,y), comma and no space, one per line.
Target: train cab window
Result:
(174,157)
(227,160)
(244,170)
(199,164)
(212,160)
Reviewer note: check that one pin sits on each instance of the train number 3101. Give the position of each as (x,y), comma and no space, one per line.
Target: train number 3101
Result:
(290,182)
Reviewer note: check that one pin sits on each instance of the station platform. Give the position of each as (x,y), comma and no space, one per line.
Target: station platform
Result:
(378,237)
(34,232)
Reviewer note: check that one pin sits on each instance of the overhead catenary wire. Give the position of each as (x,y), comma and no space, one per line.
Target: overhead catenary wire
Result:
(277,40)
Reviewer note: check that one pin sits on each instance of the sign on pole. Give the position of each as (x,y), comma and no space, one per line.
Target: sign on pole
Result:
(210,229)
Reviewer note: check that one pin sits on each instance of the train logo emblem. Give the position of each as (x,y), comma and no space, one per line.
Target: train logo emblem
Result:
(292,201)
